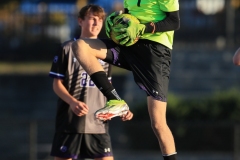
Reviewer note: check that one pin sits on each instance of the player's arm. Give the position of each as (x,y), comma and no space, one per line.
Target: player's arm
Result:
(170,23)
(236,57)
(135,30)
(79,108)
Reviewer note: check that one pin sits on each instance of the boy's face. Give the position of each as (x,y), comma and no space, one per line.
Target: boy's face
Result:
(91,26)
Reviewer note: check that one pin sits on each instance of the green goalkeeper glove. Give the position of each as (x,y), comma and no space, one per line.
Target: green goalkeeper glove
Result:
(109,21)
(129,34)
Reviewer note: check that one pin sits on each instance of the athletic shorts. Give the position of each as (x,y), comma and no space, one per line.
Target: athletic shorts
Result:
(80,146)
(149,62)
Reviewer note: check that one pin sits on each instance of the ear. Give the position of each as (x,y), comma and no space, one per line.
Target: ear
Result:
(79,21)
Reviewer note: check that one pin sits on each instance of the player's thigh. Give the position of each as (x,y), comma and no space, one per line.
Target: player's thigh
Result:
(150,63)
(157,111)
(115,54)
(97,146)
(66,146)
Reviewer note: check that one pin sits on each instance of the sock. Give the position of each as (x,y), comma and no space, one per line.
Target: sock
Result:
(170,157)
(101,81)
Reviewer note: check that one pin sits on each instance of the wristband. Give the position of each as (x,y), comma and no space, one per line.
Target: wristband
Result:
(154,27)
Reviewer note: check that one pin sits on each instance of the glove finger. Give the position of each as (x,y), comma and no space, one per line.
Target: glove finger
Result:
(129,43)
(110,18)
(132,41)
(124,41)
(109,22)
(121,36)
(119,30)
(107,29)
(108,34)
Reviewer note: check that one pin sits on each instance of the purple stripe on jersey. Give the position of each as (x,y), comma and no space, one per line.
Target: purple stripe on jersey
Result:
(115,55)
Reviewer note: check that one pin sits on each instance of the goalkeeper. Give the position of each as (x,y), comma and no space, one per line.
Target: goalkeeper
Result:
(149,60)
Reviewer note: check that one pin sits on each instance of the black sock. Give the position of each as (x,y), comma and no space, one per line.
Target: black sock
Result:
(171,157)
(101,81)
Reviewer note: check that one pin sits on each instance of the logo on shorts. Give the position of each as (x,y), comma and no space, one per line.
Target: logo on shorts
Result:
(155,92)
(63,148)
(107,150)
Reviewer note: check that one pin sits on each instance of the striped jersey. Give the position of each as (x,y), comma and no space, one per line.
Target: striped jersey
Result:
(78,83)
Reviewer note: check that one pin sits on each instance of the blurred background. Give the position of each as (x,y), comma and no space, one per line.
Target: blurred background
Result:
(203,106)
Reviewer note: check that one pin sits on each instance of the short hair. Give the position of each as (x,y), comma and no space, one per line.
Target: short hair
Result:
(95,9)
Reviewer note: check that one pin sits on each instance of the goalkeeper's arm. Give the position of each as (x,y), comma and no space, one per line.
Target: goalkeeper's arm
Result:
(170,23)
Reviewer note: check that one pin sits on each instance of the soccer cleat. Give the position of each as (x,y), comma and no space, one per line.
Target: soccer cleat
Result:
(113,108)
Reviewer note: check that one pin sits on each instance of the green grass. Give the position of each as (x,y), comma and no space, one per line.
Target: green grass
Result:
(37,68)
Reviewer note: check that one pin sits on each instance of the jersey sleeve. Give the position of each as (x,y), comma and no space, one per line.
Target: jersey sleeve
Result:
(168,5)
(59,64)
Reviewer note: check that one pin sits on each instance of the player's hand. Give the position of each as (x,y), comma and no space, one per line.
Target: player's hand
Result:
(127,116)
(79,108)
(130,33)
(109,21)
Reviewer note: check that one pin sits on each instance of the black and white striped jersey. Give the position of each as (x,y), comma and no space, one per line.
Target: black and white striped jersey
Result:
(78,83)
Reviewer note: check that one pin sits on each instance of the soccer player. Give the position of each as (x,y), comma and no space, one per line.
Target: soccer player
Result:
(78,133)
(149,60)
(236,57)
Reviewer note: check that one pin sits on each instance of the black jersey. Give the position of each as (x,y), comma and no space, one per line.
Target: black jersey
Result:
(78,83)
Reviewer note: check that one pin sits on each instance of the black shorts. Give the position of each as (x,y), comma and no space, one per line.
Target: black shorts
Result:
(149,62)
(76,146)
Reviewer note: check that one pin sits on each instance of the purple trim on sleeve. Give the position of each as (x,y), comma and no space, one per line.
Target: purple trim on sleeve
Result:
(115,55)
(56,75)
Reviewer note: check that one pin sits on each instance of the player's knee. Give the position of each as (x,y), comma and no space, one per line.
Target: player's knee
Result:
(159,128)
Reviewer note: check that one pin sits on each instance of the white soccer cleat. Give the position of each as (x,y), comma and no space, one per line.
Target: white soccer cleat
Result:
(112,109)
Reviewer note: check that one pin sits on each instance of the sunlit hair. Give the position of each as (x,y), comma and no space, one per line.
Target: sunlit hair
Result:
(91,8)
